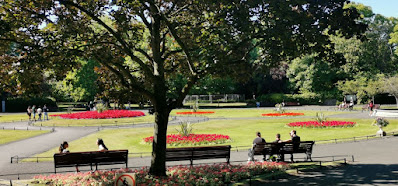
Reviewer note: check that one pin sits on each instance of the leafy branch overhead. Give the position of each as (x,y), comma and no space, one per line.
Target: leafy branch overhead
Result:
(147,44)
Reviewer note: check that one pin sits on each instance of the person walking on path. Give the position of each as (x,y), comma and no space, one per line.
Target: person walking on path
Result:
(29,112)
(45,111)
(370,106)
(34,112)
(39,112)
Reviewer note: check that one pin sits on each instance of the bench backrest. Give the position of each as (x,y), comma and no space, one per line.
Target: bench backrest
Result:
(89,158)
(192,153)
(275,148)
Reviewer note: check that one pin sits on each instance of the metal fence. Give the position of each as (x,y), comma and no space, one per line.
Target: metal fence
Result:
(221,98)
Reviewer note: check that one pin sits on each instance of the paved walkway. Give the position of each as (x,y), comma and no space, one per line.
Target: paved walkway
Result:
(375,161)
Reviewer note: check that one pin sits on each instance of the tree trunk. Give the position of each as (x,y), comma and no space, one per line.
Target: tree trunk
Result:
(162,112)
(396,100)
(158,162)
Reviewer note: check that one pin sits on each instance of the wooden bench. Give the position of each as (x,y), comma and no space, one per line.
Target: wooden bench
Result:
(197,153)
(91,158)
(292,104)
(284,148)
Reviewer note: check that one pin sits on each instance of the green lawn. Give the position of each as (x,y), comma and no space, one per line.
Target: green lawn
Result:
(7,136)
(242,133)
(13,117)
(243,113)
(56,121)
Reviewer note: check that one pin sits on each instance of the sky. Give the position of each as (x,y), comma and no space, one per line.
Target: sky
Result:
(388,8)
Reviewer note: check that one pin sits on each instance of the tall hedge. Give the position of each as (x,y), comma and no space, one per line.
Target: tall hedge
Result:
(21,104)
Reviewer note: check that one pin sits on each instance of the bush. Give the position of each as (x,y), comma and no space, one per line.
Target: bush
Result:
(21,104)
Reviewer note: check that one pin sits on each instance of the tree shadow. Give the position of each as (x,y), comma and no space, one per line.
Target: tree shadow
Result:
(353,174)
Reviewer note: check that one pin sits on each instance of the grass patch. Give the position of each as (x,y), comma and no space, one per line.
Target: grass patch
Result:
(13,117)
(7,136)
(241,132)
(243,113)
(57,121)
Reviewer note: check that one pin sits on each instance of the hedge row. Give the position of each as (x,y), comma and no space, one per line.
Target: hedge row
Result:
(21,104)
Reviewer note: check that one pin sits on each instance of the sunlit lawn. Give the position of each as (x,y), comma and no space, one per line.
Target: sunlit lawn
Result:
(242,133)
(7,136)
(243,113)
(13,117)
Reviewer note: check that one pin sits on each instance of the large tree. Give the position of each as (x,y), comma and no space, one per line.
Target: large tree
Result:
(149,43)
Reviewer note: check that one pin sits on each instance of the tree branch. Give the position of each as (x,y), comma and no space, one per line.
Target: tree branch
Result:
(176,37)
(126,47)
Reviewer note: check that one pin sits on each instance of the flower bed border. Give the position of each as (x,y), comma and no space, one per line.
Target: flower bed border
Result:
(108,114)
(192,139)
(325,124)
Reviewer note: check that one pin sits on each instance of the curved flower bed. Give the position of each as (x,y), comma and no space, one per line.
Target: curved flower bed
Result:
(192,139)
(283,114)
(103,115)
(207,112)
(315,124)
(216,174)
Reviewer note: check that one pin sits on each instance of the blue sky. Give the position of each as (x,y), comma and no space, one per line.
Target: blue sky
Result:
(388,8)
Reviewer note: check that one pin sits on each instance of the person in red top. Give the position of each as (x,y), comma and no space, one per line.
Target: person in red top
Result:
(371,107)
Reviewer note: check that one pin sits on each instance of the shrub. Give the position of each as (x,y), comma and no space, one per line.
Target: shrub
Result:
(320,117)
(185,129)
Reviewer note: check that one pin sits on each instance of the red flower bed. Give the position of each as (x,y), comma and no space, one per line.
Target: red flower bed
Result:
(315,124)
(103,115)
(208,112)
(192,139)
(283,114)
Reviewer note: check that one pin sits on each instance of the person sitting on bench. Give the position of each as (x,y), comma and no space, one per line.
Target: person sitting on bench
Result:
(295,140)
(101,145)
(256,141)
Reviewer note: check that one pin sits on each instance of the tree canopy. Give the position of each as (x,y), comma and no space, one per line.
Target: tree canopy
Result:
(148,43)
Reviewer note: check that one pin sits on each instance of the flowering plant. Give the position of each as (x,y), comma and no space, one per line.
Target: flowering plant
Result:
(216,174)
(316,124)
(103,115)
(380,122)
(283,114)
(192,139)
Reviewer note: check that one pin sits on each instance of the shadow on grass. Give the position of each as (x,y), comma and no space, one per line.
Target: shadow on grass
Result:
(354,174)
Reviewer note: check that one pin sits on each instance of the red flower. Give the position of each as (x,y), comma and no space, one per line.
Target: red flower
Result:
(103,115)
(315,124)
(176,139)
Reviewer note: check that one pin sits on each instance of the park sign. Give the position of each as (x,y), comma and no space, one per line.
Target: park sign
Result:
(125,179)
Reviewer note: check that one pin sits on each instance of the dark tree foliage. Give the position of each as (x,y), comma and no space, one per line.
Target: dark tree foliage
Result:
(150,42)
